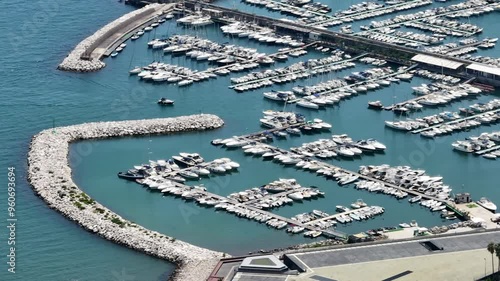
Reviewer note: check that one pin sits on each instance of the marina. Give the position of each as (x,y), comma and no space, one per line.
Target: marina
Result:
(250,209)
(432,64)
(434,95)
(345,177)
(293,72)
(447,122)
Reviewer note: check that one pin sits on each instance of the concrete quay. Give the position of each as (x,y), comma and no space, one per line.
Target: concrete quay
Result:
(85,57)
(49,174)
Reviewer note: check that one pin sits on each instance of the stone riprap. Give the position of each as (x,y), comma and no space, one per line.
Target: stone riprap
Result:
(74,62)
(50,176)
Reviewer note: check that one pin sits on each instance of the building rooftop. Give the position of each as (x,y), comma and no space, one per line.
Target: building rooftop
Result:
(484,68)
(455,257)
(436,61)
(268,263)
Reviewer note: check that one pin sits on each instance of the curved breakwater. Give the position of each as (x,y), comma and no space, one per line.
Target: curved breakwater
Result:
(50,176)
(74,61)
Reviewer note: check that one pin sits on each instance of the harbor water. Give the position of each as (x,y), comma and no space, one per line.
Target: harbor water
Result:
(36,96)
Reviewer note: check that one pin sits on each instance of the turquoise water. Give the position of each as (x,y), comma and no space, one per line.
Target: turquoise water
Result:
(36,96)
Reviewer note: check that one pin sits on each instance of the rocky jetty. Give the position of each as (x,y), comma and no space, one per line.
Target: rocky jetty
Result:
(74,62)
(50,176)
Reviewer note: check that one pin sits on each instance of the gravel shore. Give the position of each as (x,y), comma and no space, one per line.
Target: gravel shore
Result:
(50,176)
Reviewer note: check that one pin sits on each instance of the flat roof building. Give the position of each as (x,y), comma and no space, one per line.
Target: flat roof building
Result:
(437,62)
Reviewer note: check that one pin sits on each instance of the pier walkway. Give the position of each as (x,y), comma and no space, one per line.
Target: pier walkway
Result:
(456,121)
(121,33)
(407,40)
(360,176)
(328,233)
(475,44)
(285,52)
(484,151)
(296,72)
(386,10)
(424,16)
(336,215)
(365,81)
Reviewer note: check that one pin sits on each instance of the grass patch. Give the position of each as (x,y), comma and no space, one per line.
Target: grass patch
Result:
(471,205)
(117,221)
(79,206)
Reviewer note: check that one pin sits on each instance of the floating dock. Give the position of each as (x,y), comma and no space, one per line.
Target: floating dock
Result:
(333,167)
(328,233)
(456,121)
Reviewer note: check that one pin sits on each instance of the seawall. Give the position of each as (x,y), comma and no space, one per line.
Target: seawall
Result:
(75,62)
(49,174)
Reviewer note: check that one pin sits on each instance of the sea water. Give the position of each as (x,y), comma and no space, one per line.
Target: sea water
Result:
(36,96)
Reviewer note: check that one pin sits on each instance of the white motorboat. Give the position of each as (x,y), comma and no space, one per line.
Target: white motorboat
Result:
(341,209)
(164,101)
(375,104)
(136,70)
(296,196)
(415,199)
(202,21)
(487,204)
(185,82)
(344,151)
(200,171)
(462,146)
(188,174)
(307,104)
(378,145)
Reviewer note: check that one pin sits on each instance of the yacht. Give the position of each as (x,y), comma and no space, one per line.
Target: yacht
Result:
(487,204)
(378,145)
(188,174)
(341,209)
(415,199)
(307,104)
(375,104)
(462,146)
(164,101)
(184,161)
(195,156)
(136,70)
(185,82)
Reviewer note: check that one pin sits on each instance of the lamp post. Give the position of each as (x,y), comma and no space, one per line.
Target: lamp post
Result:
(484,266)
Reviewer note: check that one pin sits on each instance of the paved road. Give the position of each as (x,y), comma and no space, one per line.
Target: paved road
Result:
(397,250)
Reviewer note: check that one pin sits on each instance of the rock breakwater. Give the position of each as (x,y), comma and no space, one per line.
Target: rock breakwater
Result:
(74,61)
(50,176)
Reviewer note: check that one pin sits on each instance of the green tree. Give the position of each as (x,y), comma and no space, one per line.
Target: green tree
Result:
(491,249)
(497,253)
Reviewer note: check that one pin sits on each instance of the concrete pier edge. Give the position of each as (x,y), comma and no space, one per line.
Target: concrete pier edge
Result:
(74,62)
(50,176)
